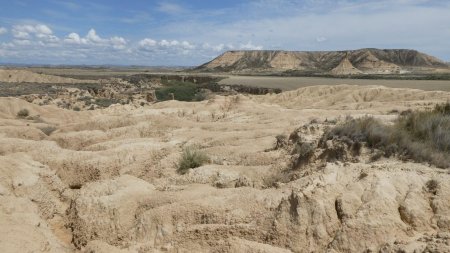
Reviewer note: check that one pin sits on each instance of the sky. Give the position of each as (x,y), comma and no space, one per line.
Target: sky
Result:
(189,33)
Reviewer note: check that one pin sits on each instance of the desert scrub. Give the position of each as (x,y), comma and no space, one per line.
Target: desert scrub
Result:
(23,113)
(182,91)
(191,158)
(106,102)
(48,130)
(303,152)
(423,136)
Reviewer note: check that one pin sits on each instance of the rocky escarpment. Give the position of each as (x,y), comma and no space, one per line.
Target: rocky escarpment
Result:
(362,61)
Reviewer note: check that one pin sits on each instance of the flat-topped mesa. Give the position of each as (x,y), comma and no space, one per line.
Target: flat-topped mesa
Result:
(350,62)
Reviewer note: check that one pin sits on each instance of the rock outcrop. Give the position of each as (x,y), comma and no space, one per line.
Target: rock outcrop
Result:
(362,61)
(345,68)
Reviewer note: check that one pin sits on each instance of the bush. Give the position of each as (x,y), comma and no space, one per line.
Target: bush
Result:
(432,127)
(303,152)
(432,186)
(23,113)
(106,102)
(190,159)
(281,141)
(423,136)
(48,130)
(181,91)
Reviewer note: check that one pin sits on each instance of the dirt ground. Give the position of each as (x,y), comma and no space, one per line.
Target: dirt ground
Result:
(107,180)
(293,83)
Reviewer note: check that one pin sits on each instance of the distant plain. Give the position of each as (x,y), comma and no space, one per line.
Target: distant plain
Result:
(283,83)
(293,83)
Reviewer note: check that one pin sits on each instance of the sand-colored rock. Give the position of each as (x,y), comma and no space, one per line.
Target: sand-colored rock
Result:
(361,61)
(370,64)
(345,68)
(227,59)
(284,60)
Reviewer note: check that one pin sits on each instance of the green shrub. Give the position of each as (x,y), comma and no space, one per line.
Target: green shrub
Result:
(423,136)
(182,91)
(443,108)
(23,113)
(432,127)
(190,159)
(106,102)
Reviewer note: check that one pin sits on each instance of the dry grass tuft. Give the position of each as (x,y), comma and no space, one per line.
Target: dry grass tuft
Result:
(23,113)
(191,158)
(423,136)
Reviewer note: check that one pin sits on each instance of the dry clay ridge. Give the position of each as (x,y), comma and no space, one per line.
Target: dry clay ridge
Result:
(27,76)
(352,62)
(106,180)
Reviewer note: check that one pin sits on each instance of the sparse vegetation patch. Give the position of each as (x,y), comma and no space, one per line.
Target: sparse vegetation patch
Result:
(423,136)
(23,113)
(182,91)
(191,158)
(106,102)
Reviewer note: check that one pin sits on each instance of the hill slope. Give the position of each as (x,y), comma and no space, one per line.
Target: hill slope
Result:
(362,61)
(26,76)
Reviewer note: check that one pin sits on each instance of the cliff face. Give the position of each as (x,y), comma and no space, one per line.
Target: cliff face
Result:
(362,61)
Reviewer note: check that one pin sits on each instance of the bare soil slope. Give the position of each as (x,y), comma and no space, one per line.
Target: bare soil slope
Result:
(25,76)
(107,181)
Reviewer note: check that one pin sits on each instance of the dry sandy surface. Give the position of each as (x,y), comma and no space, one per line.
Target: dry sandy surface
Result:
(27,76)
(293,83)
(101,72)
(107,181)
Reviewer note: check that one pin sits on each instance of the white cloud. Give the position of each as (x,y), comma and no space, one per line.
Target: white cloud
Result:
(118,42)
(217,48)
(23,34)
(43,29)
(47,38)
(38,29)
(187,45)
(7,45)
(20,34)
(93,37)
(22,42)
(73,38)
(150,44)
(249,46)
(3,30)
(165,43)
(147,43)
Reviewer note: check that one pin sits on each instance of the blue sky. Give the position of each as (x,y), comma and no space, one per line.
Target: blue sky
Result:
(188,33)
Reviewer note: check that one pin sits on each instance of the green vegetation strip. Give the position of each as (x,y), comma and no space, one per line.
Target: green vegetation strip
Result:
(182,91)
